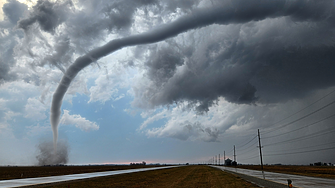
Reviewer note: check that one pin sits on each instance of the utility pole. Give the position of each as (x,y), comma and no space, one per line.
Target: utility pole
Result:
(260,149)
(219,159)
(234,154)
(224,158)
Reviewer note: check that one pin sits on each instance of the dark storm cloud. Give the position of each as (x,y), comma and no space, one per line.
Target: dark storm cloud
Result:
(5,65)
(269,61)
(162,64)
(232,82)
(81,28)
(62,55)
(120,14)
(14,10)
(194,130)
(48,15)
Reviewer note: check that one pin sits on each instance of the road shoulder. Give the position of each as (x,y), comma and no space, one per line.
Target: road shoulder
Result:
(257,181)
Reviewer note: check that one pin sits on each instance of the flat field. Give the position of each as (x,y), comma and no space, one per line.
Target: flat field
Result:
(42,171)
(180,177)
(314,171)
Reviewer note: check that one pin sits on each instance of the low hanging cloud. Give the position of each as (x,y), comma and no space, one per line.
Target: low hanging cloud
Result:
(273,60)
(78,121)
(226,119)
(185,131)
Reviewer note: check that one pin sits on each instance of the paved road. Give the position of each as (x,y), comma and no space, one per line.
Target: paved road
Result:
(54,179)
(297,181)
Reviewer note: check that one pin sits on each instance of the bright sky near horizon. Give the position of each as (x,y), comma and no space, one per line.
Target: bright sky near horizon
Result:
(184,99)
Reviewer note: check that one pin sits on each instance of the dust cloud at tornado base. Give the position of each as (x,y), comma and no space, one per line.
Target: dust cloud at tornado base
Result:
(46,155)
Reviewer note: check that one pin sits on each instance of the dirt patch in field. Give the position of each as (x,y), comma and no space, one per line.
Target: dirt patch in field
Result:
(314,171)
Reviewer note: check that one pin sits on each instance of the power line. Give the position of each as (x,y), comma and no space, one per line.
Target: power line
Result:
(253,143)
(230,151)
(319,133)
(303,117)
(301,127)
(304,108)
(323,144)
(250,149)
(301,151)
(248,142)
(249,158)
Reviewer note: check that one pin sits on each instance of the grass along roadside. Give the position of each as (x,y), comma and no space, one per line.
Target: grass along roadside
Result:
(313,171)
(181,177)
(7,173)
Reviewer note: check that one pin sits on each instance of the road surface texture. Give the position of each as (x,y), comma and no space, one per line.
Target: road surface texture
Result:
(297,181)
(54,179)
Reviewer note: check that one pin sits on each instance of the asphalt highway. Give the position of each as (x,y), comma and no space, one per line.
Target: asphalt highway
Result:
(297,181)
(54,179)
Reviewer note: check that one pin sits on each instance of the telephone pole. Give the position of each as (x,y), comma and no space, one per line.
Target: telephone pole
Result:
(219,159)
(224,157)
(260,149)
(234,154)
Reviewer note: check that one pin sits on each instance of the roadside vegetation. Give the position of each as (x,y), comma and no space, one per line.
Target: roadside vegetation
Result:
(314,171)
(43,171)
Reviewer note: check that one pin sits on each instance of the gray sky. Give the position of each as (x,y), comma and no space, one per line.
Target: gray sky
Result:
(197,78)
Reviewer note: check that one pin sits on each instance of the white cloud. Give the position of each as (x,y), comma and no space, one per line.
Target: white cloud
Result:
(34,130)
(221,120)
(119,97)
(78,121)
(6,114)
(35,109)
(105,87)
(163,114)
(78,85)
(102,91)
(2,2)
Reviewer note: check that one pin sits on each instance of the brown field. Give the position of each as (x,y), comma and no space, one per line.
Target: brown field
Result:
(186,176)
(314,171)
(42,171)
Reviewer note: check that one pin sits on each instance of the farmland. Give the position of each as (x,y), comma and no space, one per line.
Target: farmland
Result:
(314,171)
(185,176)
(42,171)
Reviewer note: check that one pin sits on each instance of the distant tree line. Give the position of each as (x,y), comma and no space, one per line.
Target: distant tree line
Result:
(142,163)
